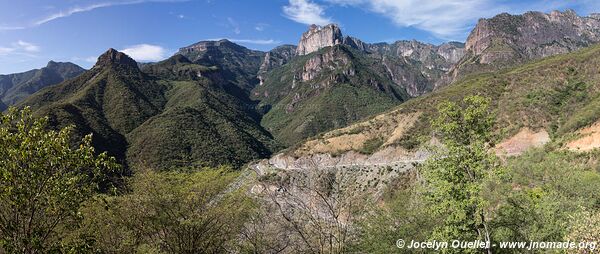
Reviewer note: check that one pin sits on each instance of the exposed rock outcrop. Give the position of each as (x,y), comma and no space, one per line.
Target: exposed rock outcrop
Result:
(521,142)
(113,57)
(275,58)
(319,37)
(412,64)
(506,40)
(239,64)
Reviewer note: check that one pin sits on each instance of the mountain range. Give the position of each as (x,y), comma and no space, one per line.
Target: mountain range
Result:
(16,87)
(216,102)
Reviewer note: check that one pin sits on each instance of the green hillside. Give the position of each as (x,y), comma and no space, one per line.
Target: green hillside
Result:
(345,86)
(559,94)
(173,114)
(238,64)
(16,87)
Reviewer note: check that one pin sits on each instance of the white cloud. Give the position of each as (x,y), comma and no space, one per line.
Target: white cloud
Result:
(5,50)
(91,59)
(71,11)
(448,19)
(8,28)
(20,47)
(29,47)
(145,52)
(306,12)
(78,9)
(260,27)
(260,42)
(249,41)
(234,25)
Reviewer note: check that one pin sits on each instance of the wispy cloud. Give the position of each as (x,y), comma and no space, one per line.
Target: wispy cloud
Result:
(20,47)
(261,27)
(448,19)
(79,9)
(8,28)
(306,12)
(260,42)
(234,25)
(6,50)
(145,52)
(91,59)
(27,46)
(249,41)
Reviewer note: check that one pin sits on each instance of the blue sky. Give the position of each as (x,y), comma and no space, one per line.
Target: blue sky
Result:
(32,32)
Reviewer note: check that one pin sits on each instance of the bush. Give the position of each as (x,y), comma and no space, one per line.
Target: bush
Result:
(168,212)
(43,182)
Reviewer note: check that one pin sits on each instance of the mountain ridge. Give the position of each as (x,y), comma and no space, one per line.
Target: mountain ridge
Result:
(135,114)
(15,87)
(506,40)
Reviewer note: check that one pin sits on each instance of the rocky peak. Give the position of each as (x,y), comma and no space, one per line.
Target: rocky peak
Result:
(452,51)
(113,57)
(355,43)
(275,58)
(204,46)
(531,35)
(506,40)
(178,58)
(318,37)
(51,64)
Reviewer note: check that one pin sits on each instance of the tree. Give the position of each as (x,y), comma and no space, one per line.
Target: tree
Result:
(43,181)
(585,229)
(454,175)
(169,212)
(401,214)
(307,211)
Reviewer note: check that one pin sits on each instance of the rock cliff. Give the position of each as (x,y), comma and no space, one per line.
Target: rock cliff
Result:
(240,65)
(506,40)
(275,58)
(319,37)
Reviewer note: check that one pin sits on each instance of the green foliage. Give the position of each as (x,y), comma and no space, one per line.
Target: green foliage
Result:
(371,145)
(585,227)
(403,215)
(168,212)
(544,195)
(559,94)
(43,181)
(16,87)
(455,175)
(174,114)
(239,65)
(332,99)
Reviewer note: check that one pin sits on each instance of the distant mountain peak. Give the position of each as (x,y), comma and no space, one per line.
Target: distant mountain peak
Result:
(318,37)
(15,87)
(63,66)
(114,57)
(51,64)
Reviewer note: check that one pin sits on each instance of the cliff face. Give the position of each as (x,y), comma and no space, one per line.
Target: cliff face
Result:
(440,57)
(533,34)
(506,40)
(240,64)
(319,37)
(415,65)
(275,58)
